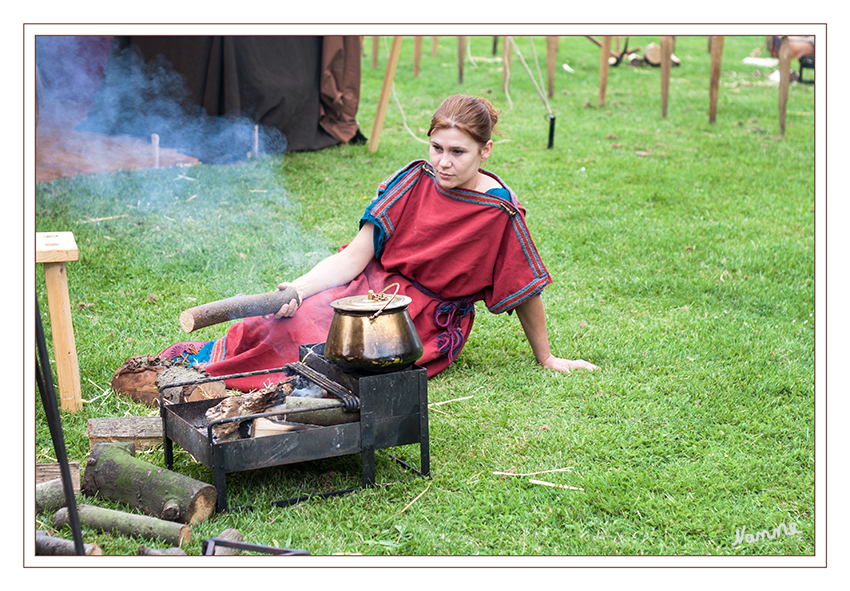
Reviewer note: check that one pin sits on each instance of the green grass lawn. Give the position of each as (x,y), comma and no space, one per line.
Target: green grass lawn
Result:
(683,258)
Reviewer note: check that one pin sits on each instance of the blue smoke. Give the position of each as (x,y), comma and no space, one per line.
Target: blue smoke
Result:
(139,98)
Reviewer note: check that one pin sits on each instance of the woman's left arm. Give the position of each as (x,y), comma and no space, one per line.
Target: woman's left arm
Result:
(532,316)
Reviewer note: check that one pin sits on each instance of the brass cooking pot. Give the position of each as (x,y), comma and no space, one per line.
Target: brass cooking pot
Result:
(373,333)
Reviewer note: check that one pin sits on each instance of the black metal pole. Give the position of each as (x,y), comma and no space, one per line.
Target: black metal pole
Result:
(551,131)
(44,379)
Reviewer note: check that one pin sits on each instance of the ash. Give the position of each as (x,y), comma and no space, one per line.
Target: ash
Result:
(305,388)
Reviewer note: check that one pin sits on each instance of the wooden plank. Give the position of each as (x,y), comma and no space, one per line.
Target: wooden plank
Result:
(784,81)
(666,64)
(142,432)
(434,44)
(55,247)
(716,45)
(64,347)
(603,68)
(384,99)
(46,472)
(376,45)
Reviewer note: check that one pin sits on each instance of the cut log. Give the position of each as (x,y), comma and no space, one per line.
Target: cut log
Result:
(114,473)
(127,524)
(141,377)
(50,546)
(232,535)
(653,56)
(45,472)
(180,373)
(142,432)
(239,306)
(145,551)
(49,496)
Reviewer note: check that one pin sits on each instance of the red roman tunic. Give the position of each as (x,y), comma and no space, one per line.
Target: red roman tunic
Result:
(447,248)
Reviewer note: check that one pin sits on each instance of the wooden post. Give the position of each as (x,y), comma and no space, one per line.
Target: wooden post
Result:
(784,81)
(376,45)
(551,54)
(417,54)
(54,250)
(434,43)
(506,63)
(384,99)
(666,64)
(461,50)
(155,144)
(603,68)
(716,45)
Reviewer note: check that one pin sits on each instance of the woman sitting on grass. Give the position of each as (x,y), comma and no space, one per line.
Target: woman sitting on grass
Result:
(448,232)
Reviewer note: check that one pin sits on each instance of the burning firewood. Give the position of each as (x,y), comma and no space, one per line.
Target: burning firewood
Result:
(246,404)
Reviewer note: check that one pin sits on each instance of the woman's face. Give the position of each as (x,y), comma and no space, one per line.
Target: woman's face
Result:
(456,158)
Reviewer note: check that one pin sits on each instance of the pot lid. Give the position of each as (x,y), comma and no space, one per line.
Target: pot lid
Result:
(372,302)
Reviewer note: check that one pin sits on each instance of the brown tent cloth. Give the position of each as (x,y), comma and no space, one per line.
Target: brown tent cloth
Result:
(304,88)
(340,86)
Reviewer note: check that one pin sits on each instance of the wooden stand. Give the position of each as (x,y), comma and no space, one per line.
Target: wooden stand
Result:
(551,53)
(54,249)
(506,63)
(784,81)
(384,99)
(666,64)
(461,50)
(716,50)
(603,68)
(417,55)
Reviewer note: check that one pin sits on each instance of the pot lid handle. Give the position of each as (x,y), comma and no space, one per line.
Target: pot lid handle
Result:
(373,296)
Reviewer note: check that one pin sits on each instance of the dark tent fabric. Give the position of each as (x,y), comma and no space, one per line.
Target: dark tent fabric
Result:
(202,95)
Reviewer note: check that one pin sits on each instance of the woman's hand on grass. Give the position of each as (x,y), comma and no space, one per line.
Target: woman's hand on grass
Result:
(565,365)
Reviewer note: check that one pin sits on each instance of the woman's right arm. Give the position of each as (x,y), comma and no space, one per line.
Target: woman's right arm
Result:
(337,269)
